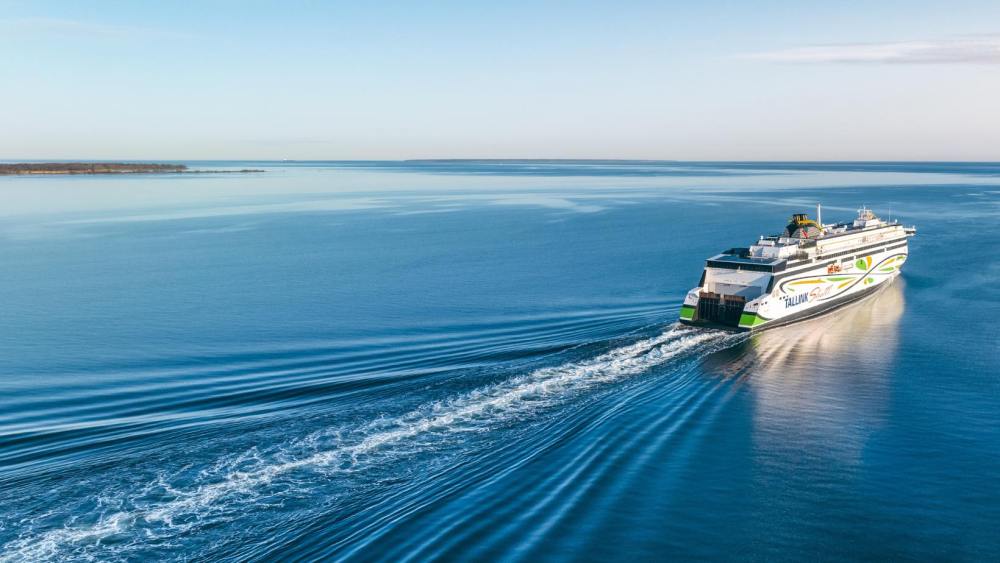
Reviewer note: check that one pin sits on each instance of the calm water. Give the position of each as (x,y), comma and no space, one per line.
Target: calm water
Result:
(462,360)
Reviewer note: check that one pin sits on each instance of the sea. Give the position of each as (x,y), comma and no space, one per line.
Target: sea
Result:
(480,361)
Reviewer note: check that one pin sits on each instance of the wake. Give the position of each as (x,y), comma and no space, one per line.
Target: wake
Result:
(219,491)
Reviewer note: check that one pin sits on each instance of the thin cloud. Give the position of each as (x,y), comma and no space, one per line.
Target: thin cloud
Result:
(978,50)
(67,27)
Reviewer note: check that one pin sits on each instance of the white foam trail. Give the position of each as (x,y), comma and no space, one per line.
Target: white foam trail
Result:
(474,411)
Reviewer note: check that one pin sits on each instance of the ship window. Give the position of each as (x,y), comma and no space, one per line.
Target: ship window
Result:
(744,266)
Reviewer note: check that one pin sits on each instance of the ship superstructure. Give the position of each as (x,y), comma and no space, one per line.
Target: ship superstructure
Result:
(806,270)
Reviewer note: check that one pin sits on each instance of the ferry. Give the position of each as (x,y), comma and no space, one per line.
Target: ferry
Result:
(807,270)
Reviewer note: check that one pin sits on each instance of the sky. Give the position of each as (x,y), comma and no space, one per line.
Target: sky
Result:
(712,80)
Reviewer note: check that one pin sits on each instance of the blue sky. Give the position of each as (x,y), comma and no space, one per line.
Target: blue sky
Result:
(346,80)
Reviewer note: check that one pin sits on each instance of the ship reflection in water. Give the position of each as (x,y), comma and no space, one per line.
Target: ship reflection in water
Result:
(820,387)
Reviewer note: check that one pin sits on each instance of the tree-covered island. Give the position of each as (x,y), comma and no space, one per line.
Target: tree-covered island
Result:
(29,168)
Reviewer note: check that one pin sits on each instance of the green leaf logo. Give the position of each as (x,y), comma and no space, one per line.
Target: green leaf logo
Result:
(860,264)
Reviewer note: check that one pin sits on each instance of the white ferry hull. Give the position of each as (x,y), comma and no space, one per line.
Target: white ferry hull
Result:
(818,291)
(740,297)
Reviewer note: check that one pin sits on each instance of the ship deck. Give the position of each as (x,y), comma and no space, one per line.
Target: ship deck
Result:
(737,262)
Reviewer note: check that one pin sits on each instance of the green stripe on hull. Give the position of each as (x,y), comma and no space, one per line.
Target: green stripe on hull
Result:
(687,312)
(750,320)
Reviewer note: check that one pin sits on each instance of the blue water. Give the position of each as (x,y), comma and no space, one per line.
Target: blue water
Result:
(479,360)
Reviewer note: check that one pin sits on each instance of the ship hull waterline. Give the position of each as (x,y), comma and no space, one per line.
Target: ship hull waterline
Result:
(812,312)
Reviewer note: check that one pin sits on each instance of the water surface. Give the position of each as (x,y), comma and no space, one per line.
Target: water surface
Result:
(417,360)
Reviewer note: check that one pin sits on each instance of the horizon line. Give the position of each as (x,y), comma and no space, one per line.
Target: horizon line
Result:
(494,159)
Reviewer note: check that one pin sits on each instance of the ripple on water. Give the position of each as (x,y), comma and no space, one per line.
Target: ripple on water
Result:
(172,505)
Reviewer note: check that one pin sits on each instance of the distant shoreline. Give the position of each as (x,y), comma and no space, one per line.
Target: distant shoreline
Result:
(73,168)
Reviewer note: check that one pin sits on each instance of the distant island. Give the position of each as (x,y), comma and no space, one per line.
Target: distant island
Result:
(27,168)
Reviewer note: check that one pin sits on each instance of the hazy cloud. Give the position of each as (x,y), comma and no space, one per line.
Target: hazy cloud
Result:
(67,27)
(55,25)
(981,50)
